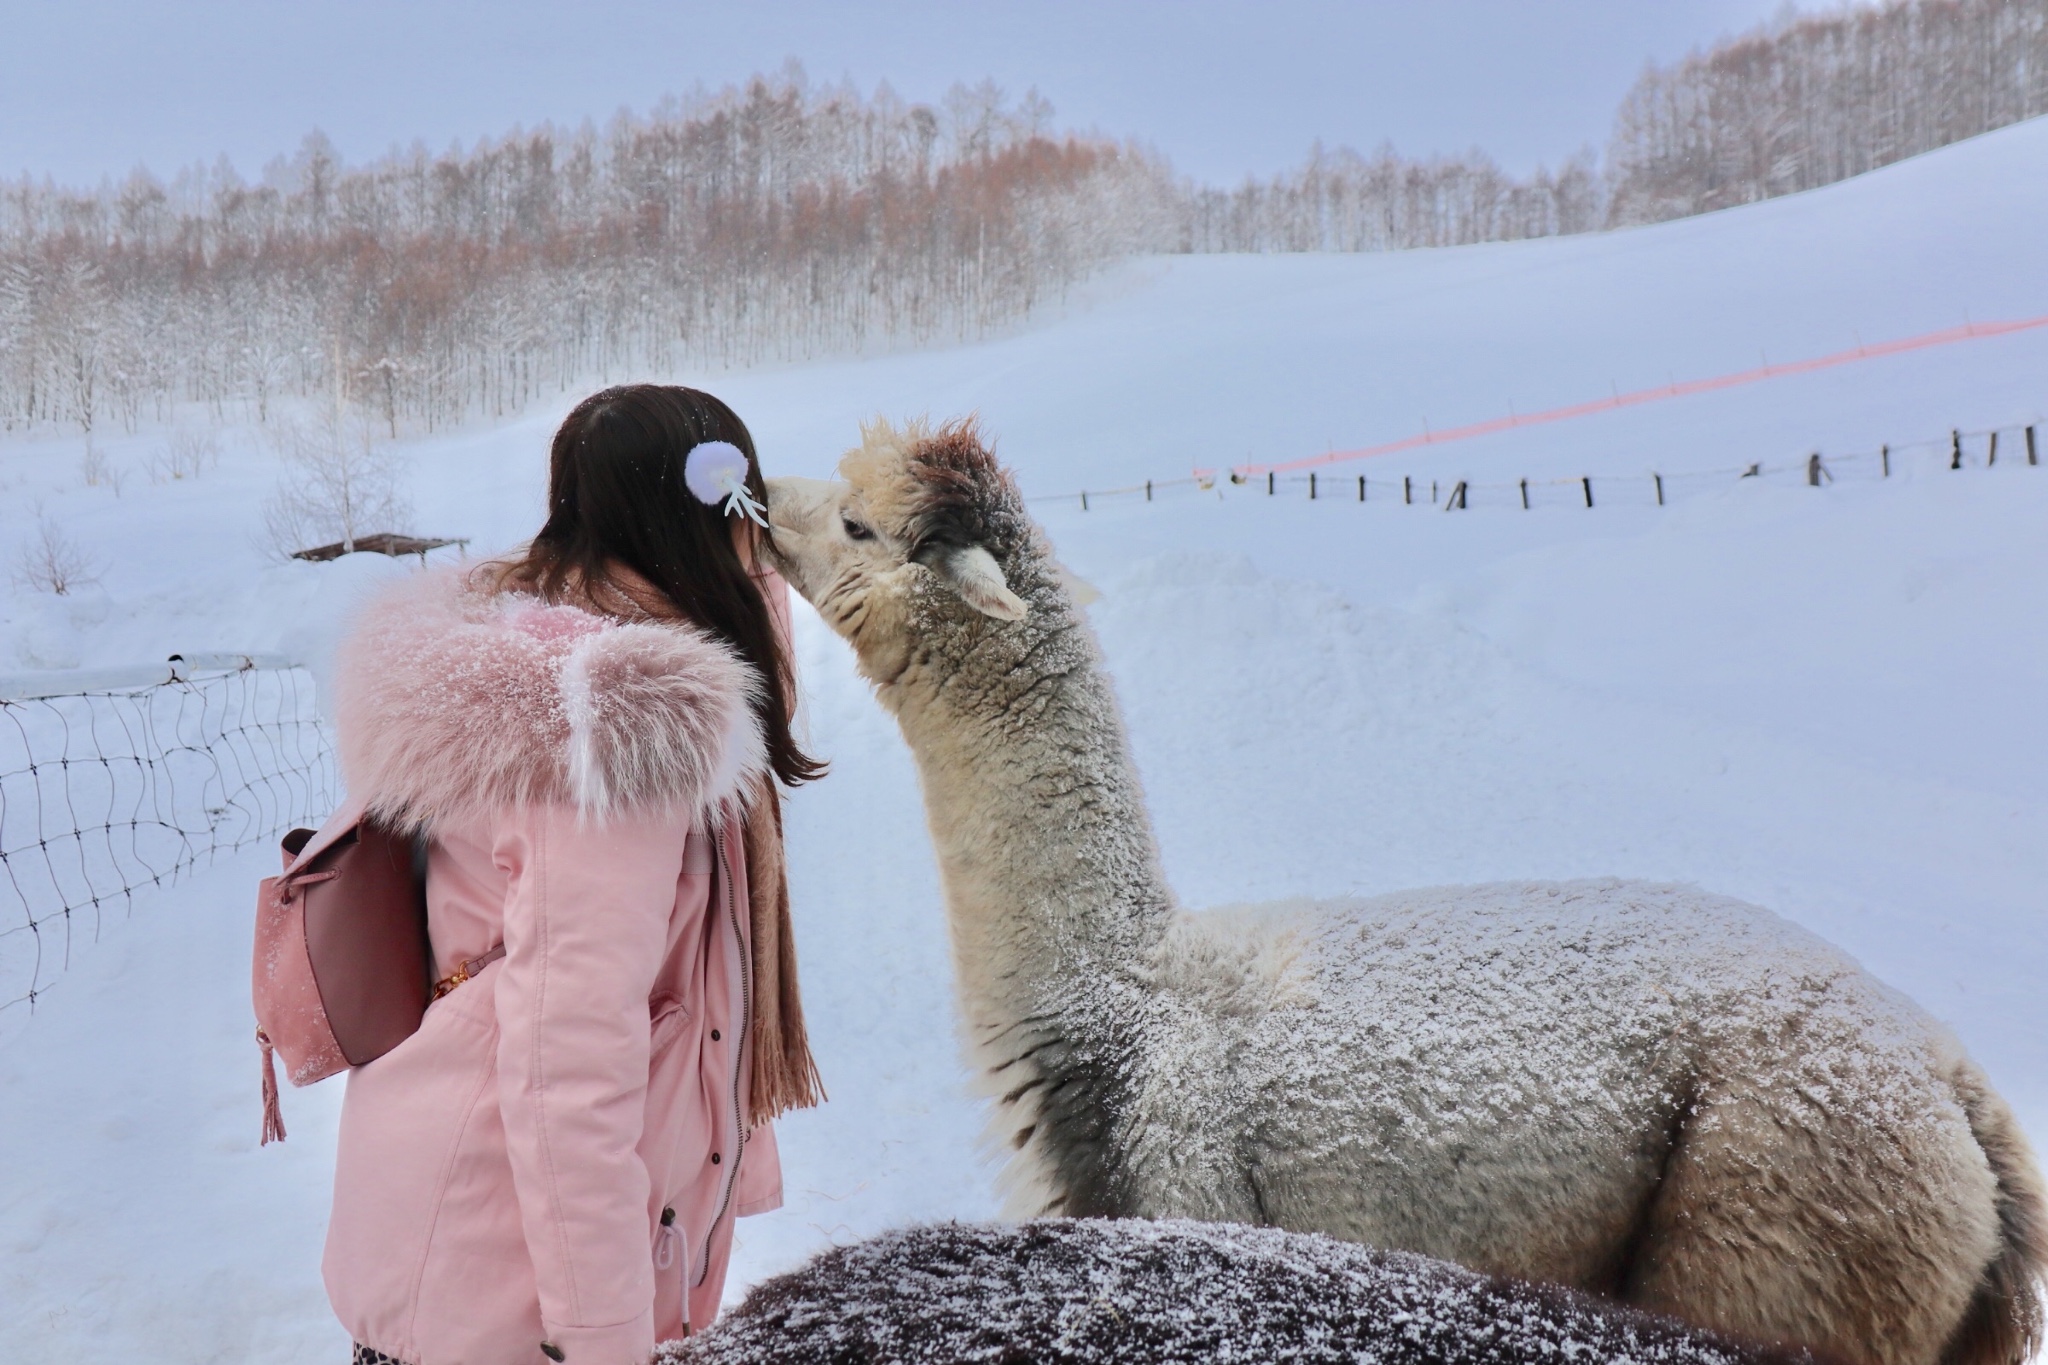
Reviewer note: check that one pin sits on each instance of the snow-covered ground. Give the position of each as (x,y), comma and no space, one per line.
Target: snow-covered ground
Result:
(1833,701)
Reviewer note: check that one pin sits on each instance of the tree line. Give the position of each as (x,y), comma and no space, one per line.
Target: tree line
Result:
(777,222)
(1798,104)
(1816,100)
(785,221)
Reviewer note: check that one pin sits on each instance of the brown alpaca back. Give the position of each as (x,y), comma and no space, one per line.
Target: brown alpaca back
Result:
(2004,1323)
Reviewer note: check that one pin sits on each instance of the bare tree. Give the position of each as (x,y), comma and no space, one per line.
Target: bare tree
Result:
(98,471)
(339,484)
(52,562)
(185,454)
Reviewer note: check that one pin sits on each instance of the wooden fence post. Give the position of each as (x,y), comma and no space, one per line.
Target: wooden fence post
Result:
(1432,492)
(1457,497)
(1955,449)
(1525,495)
(1148,490)
(1586,483)
(2032,456)
(1884,459)
(1269,483)
(1311,485)
(1084,500)
(1361,488)
(1816,471)
(1991,455)
(1407,491)
(1658,479)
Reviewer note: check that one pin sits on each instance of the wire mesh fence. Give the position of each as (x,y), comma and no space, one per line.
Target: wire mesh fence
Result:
(114,783)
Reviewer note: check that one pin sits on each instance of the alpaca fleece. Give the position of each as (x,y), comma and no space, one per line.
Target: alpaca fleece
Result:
(1639,1090)
(454,702)
(1093,1292)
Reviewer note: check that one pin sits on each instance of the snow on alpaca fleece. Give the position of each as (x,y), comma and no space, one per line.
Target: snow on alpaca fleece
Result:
(452,702)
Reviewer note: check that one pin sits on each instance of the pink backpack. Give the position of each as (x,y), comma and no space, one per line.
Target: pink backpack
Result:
(343,972)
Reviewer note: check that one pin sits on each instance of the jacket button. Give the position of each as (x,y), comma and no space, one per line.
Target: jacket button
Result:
(714,1035)
(714,1158)
(552,1351)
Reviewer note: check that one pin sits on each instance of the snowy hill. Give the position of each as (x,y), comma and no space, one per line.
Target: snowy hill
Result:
(1825,700)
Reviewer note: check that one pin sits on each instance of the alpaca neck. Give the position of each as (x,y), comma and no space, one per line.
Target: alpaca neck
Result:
(1051,872)
(1036,812)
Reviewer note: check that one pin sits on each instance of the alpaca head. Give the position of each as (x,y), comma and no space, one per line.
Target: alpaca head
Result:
(919,530)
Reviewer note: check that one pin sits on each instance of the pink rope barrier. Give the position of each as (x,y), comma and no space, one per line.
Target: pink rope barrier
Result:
(1970,331)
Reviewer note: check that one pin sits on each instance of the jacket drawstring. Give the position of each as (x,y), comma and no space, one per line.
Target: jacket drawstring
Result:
(668,1247)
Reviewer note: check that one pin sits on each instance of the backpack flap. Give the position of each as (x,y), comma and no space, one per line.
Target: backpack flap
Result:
(366,938)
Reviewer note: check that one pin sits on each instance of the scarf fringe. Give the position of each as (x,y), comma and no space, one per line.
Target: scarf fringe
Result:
(785,1074)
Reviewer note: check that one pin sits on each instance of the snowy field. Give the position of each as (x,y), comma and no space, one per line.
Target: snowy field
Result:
(1830,701)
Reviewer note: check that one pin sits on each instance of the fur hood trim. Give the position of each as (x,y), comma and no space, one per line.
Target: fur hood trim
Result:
(452,702)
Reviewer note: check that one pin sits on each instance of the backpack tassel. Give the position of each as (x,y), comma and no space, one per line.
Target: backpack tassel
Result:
(273,1116)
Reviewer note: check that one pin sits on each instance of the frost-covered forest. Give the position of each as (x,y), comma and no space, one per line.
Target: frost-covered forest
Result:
(1821,99)
(786,221)
(775,222)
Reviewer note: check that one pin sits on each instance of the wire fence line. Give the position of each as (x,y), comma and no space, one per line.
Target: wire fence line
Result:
(116,781)
(1958,450)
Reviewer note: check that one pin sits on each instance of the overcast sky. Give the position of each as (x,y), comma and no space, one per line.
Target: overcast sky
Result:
(95,87)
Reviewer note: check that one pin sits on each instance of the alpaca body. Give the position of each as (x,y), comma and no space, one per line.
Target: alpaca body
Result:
(1642,1090)
(1521,1077)
(1091,1292)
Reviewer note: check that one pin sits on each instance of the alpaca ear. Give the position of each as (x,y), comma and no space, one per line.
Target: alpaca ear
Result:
(1084,593)
(973,572)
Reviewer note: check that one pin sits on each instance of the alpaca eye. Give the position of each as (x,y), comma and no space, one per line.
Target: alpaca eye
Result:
(854,530)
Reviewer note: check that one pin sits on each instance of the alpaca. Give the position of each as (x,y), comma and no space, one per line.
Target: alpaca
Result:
(1638,1090)
(1096,1292)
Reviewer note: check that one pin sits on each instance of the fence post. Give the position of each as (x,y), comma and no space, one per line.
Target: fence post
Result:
(1586,482)
(1991,455)
(1148,490)
(1525,495)
(1361,488)
(1407,491)
(1432,492)
(1658,479)
(1084,500)
(1884,460)
(1269,483)
(1816,471)
(1311,485)
(2032,457)
(1955,449)
(1457,497)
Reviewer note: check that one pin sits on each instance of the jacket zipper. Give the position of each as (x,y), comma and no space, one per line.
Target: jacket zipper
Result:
(739,1043)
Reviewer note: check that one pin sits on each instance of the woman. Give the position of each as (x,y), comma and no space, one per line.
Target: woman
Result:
(588,734)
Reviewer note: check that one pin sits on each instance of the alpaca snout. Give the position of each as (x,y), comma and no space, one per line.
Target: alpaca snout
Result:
(797,512)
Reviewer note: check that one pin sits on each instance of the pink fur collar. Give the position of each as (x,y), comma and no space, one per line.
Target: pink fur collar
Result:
(451,703)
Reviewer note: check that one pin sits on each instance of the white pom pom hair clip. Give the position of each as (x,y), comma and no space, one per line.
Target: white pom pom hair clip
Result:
(715,470)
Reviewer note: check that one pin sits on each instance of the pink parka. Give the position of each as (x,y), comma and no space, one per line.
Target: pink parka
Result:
(550,1168)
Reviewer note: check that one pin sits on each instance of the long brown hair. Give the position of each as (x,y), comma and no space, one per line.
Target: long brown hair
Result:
(616,499)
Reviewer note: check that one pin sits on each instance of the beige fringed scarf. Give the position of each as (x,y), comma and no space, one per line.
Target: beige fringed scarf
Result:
(785,1074)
